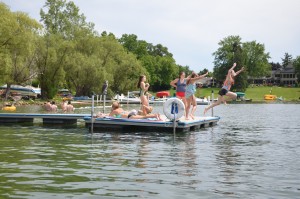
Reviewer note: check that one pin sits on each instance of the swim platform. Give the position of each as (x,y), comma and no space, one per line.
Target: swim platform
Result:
(124,124)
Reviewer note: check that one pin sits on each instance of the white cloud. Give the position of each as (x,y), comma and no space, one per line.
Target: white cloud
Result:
(191,29)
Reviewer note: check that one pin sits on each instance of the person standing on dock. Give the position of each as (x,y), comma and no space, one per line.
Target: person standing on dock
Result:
(225,90)
(180,85)
(143,89)
(190,93)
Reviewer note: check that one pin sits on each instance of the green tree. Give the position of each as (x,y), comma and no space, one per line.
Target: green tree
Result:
(256,59)
(286,60)
(296,65)
(132,44)
(185,69)
(252,55)
(239,58)
(49,60)
(64,18)
(17,47)
(158,62)
(205,70)
(64,23)
(229,52)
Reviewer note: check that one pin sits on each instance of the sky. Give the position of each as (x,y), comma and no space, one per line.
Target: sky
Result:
(192,29)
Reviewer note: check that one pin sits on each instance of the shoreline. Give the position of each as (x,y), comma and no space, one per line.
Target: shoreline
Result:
(41,103)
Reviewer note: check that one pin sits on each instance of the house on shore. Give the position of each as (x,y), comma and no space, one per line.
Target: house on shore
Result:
(282,77)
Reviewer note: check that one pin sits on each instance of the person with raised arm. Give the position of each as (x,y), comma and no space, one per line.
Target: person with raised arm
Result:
(225,90)
(190,93)
(180,85)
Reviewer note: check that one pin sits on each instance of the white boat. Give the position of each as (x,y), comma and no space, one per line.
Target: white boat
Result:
(27,91)
(202,101)
(131,98)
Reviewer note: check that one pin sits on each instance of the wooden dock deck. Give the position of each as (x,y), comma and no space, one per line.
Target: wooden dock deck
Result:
(47,118)
(111,124)
(123,124)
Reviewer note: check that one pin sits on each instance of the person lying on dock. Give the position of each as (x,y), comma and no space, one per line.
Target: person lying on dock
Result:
(118,112)
(147,111)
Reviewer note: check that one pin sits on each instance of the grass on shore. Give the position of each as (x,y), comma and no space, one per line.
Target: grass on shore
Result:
(257,93)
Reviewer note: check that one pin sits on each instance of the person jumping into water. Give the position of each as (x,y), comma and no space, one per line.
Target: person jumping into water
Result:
(229,81)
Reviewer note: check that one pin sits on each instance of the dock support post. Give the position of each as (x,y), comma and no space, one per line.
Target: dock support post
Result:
(104,100)
(92,115)
(97,97)
(212,100)
(174,121)
(174,127)
(127,99)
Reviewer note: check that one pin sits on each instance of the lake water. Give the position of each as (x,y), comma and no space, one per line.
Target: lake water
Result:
(253,152)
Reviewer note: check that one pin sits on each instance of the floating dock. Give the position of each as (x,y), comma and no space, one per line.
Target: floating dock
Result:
(123,124)
(47,118)
(111,123)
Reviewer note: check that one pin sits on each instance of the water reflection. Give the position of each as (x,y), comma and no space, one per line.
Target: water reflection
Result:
(249,156)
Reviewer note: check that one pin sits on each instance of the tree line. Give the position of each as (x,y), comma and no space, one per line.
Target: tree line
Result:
(65,51)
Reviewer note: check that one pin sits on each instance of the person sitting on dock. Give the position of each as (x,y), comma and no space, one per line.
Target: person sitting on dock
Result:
(225,90)
(147,111)
(118,112)
(69,107)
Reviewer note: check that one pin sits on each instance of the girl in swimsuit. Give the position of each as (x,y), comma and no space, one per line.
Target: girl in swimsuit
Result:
(190,93)
(143,89)
(180,85)
(225,90)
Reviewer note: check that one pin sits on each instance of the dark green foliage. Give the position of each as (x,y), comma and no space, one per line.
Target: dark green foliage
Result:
(296,65)
(156,59)
(286,60)
(251,55)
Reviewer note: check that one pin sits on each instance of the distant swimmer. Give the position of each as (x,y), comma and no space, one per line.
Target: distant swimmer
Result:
(64,105)
(69,107)
(225,90)
(53,106)
(47,106)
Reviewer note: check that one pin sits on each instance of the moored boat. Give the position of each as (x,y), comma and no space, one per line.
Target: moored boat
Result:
(27,91)
(270,97)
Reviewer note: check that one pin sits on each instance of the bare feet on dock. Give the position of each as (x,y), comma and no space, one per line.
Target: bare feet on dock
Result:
(192,116)
(158,117)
